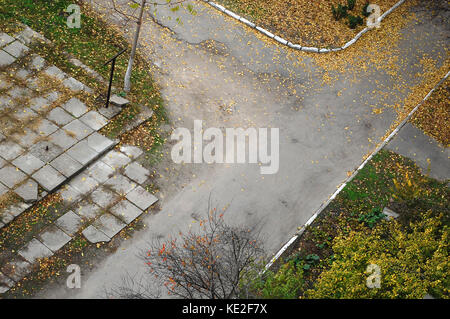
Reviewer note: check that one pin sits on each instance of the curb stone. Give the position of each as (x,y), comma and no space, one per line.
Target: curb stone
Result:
(298,46)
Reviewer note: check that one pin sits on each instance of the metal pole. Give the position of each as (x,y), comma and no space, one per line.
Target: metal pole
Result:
(110,81)
(113,60)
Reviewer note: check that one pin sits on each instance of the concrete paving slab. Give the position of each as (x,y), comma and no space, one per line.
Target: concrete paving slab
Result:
(49,178)
(10,150)
(82,152)
(109,225)
(62,139)
(109,112)
(45,127)
(28,191)
(121,184)
(131,151)
(16,49)
(5,283)
(23,115)
(54,238)
(6,218)
(19,92)
(26,138)
(37,63)
(70,223)
(116,159)
(66,165)
(17,208)
(46,151)
(141,198)
(16,268)
(70,194)
(28,36)
(59,116)
(3,189)
(5,39)
(52,96)
(87,210)
(22,74)
(126,211)
(94,120)
(55,72)
(99,142)
(33,83)
(39,104)
(78,129)
(6,59)
(100,171)
(119,101)
(94,235)
(34,250)
(84,183)
(75,107)
(136,172)
(28,163)
(104,197)
(11,176)
(5,82)
(73,84)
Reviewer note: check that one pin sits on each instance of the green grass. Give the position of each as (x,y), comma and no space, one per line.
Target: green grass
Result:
(93,44)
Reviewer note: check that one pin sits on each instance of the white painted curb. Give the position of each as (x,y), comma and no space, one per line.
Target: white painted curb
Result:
(349,179)
(298,46)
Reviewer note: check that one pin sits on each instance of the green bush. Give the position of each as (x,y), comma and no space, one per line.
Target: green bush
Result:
(351,4)
(339,12)
(353,21)
(412,264)
(286,283)
(372,217)
(364,10)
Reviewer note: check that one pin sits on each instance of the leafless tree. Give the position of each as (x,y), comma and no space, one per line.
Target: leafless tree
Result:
(206,263)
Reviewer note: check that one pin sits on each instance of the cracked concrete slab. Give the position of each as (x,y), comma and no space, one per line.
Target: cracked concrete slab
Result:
(28,191)
(53,238)
(126,211)
(34,250)
(141,198)
(70,223)
(49,178)
(94,235)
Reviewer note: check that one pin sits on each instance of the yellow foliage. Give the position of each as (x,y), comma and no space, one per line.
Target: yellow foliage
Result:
(412,264)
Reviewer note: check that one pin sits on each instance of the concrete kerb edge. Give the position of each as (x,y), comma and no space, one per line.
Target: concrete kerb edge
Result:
(302,229)
(298,46)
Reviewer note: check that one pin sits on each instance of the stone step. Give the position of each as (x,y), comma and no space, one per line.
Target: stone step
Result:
(118,101)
